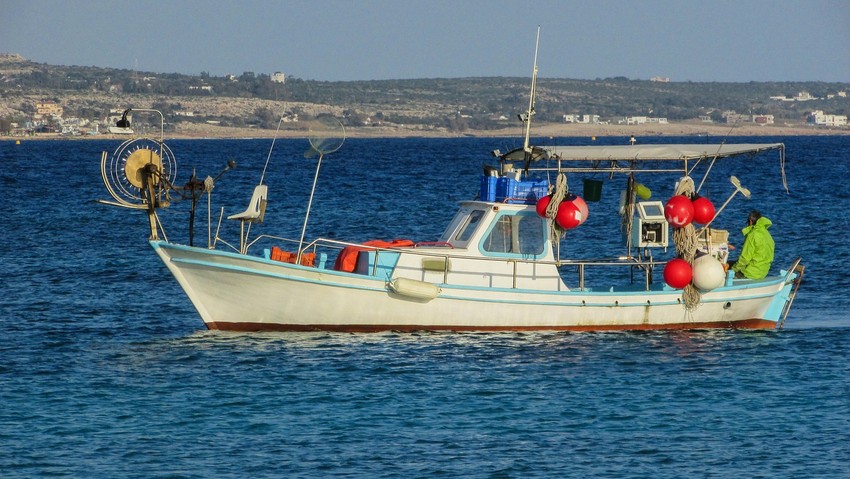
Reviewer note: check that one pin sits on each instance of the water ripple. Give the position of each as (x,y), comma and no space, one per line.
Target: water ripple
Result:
(106,371)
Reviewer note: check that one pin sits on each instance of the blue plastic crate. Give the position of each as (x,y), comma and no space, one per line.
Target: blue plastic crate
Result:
(509,190)
(488,188)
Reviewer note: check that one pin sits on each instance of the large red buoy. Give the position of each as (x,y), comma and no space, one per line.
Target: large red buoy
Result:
(678,273)
(703,210)
(543,204)
(568,216)
(679,211)
(580,204)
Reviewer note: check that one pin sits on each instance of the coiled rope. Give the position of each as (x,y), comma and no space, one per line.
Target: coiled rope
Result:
(558,193)
(686,242)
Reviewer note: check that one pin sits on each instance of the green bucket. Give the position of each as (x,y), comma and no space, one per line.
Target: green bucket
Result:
(592,190)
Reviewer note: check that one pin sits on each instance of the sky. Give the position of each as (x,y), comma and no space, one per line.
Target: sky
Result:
(330,40)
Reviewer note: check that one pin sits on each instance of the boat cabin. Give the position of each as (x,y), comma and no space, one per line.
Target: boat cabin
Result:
(486,244)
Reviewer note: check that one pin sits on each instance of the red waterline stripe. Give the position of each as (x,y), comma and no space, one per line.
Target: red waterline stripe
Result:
(373,328)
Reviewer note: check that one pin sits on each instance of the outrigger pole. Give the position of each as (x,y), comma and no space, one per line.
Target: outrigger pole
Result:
(309,206)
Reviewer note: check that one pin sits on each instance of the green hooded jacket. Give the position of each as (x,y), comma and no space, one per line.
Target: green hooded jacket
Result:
(757,252)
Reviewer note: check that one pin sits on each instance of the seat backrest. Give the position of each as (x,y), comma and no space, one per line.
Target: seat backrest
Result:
(256,208)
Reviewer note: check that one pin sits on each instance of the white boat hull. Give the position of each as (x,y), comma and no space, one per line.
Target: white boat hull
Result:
(246,293)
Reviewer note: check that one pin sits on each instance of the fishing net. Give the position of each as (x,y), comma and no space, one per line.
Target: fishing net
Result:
(326,135)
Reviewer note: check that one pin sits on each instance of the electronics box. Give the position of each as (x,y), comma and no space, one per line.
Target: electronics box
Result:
(650,229)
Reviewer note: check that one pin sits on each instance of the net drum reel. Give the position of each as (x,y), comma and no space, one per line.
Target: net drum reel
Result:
(139,173)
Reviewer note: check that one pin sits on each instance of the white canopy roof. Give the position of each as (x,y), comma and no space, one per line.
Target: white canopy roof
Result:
(655,152)
(618,158)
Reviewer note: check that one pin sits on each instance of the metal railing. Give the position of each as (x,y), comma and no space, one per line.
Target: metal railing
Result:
(581,266)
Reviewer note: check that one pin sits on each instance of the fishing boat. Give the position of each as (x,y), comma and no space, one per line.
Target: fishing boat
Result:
(117,130)
(498,264)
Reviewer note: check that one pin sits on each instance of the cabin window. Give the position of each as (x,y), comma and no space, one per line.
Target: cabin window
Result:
(470,226)
(517,234)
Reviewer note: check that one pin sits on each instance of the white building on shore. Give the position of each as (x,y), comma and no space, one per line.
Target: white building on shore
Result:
(819,118)
(732,117)
(585,119)
(641,120)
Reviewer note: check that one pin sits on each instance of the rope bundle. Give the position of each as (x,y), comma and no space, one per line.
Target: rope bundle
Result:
(686,242)
(558,194)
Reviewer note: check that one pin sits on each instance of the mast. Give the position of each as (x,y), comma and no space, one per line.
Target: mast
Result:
(530,112)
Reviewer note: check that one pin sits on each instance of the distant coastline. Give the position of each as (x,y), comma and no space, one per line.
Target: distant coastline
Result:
(200,131)
(77,100)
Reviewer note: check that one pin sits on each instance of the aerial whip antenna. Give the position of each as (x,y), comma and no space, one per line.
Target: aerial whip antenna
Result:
(530,112)
(259,194)
(271,148)
(713,160)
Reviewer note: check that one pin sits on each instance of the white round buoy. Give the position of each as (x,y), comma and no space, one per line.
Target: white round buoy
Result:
(708,273)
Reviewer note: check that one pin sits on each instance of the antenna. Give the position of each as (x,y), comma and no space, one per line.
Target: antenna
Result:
(244,235)
(530,113)
(274,139)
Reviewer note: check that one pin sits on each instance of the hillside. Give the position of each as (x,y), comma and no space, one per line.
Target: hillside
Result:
(196,105)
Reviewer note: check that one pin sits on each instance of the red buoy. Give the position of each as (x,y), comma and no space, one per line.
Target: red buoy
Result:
(703,210)
(580,204)
(543,204)
(568,216)
(679,211)
(678,273)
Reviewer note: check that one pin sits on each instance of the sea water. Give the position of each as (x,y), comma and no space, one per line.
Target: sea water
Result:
(107,371)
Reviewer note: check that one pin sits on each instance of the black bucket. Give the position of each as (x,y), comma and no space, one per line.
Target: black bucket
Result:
(592,190)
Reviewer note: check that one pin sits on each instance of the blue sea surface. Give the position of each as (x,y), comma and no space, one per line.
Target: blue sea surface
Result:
(107,371)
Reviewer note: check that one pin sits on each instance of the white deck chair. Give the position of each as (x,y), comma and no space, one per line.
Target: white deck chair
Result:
(253,214)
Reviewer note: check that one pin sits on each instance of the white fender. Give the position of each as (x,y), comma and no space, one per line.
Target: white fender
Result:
(414,288)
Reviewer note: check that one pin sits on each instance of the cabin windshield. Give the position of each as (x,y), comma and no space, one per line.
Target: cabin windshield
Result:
(472,222)
(516,234)
(462,227)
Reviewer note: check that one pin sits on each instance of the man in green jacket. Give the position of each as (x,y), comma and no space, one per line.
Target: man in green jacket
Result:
(757,252)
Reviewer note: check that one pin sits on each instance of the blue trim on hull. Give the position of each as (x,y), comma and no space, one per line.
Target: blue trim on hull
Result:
(772,315)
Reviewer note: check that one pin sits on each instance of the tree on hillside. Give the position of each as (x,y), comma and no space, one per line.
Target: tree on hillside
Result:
(265,118)
(456,124)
